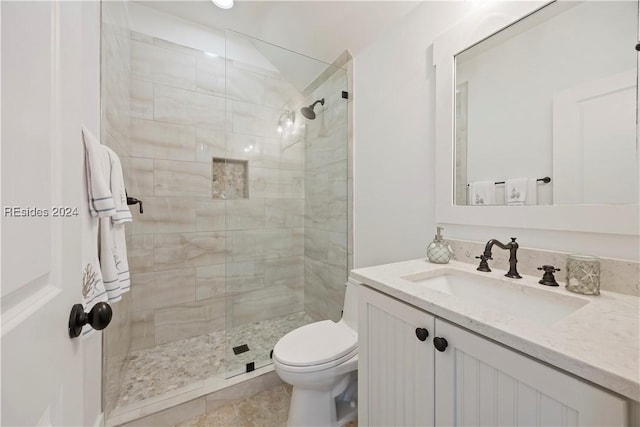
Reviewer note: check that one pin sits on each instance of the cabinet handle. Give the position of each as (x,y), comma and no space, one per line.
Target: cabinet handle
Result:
(422,334)
(440,343)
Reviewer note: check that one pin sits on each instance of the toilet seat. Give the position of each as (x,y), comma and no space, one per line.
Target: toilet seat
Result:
(317,346)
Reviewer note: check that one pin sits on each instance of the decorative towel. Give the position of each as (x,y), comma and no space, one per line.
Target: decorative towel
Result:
(113,248)
(515,191)
(482,193)
(97,166)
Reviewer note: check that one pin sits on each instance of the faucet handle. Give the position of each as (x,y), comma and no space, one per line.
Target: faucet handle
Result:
(513,239)
(484,266)
(547,278)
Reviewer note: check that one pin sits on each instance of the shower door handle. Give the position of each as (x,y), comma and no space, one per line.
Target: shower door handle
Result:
(99,318)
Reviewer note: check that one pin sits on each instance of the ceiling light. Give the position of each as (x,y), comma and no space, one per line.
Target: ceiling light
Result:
(223,4)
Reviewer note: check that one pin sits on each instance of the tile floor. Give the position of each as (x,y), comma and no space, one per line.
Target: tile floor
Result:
(161,369)
(266,409)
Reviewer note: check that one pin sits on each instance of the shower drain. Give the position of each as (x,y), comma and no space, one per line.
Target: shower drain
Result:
(240,349)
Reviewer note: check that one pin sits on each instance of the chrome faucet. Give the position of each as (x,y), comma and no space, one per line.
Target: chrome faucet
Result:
(512,246)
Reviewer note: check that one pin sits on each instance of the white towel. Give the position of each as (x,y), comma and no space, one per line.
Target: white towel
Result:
(101,202)
(482,193)
(515,191)
(113,248)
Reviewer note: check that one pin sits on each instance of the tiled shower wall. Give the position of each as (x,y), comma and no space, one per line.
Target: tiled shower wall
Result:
(198,261)
(115,133)
(326,199)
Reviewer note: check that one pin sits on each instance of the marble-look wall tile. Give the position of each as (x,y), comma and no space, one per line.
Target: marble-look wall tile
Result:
(210,281)
(211,75)
(316,244)
(210,215)
(140,253)
(615,275)
(245,276)
(165,215)
(293,184)
(176,47)
(142,330)
(140,177)
(244,85)
(188,108)
(261,244)
(267,303)
(158,140)
(278,92)
(181,250)
(174,178)
(245,214)
(254,119)
(264,183)
(163,289)
(287,272)
(189,320)
(162,66)
(337,249)
(141,37)
(281,213)
(141,99)
(293,157)
(210,143)
(297,235)
(316,294)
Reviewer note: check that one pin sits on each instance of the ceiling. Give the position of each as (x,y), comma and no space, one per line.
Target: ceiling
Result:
(320,29)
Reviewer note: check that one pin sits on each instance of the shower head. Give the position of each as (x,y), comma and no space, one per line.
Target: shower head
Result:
(308,111)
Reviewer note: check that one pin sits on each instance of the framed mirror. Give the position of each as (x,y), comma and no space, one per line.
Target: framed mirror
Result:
(536,117)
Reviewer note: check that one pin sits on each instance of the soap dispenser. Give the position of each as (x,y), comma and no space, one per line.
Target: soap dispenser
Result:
(439,251)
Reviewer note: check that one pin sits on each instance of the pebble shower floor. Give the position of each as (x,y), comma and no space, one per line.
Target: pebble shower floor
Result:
(167,367)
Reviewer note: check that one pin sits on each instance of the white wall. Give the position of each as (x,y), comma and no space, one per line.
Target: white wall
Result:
(394,147)
(394,153)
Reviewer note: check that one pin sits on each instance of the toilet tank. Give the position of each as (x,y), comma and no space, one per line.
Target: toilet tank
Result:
(350,308)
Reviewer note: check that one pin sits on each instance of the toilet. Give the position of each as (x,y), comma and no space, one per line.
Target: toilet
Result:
(320,361)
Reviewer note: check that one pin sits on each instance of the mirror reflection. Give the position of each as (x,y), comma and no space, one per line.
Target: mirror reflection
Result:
(546,109)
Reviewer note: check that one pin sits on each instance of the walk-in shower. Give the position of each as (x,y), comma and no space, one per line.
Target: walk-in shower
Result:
(244,231)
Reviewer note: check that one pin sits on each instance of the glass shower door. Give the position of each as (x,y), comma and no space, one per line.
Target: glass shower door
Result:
(265,185)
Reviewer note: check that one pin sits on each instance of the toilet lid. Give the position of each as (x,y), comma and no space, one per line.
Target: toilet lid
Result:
(315,344)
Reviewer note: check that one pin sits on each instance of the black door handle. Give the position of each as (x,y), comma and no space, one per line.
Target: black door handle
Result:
(99,318)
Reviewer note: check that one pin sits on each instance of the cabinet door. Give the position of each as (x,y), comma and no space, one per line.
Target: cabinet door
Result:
(395,371)
(479,382)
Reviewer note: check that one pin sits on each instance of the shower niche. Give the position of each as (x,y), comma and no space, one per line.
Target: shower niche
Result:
(230,178)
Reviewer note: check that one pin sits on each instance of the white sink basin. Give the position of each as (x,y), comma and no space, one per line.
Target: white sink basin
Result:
(523,302)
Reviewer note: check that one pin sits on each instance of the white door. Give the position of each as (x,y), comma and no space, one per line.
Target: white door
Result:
(395,366)
(479,382)
(42,163)
(595,153)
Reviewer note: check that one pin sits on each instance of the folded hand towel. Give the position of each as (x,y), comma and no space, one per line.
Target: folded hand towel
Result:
(482,193)
(97,166)
(113,249)
(123,214)
(93,290)
(515,191)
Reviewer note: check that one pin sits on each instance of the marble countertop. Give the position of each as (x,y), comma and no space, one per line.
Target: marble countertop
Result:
(599,342)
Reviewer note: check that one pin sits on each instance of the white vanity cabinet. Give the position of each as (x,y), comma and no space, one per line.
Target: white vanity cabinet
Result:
(404,381)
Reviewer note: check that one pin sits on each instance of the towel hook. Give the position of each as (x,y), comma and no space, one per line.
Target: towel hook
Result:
(133,201)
